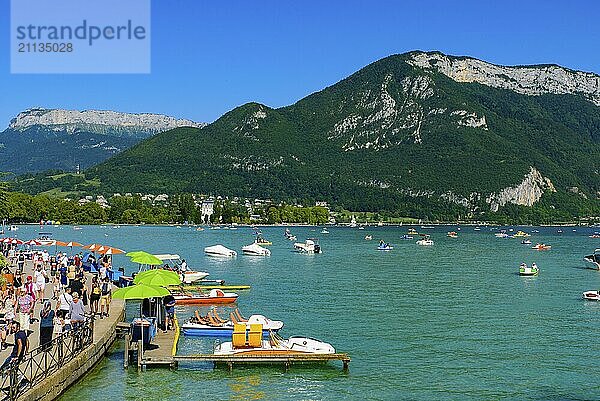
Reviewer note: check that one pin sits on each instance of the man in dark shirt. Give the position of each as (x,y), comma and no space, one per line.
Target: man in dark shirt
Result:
(76,286)
(20,347)
(169,302)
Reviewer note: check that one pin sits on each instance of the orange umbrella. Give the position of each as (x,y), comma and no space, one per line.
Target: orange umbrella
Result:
(73,243)
(92,247)
(109,250)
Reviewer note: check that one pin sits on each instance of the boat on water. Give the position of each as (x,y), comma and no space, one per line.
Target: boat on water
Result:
(425,241)
(361,228)
(412,231)
(593,295)
(252,342)
(260,240)
(215,296)
(324,231)
(352,222)
(13,228)
(384,246)
(187,275)
(501,234)
(522,234)
(535,231)
(596,234)
(541,247)
(525,270)
(220,251)
(76,228)
(255,250)
(526,242)
(380,224)
(311,245)
(477,229)
(452,234)
(199,229)
(427,227)
(368,237)
(288,235)
(594,258)
(406,237)
(212,325)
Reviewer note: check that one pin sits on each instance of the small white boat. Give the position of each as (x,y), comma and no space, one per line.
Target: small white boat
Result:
(526,242)
(368,237)
(361,228)
(255,250)
(212,326)
(220,251)
(525,270)
(273,344)
(188,276)
(77,228)
(324,231)
(385,247)
(309,246)
(13,228)
(425,241)
(592,295)
(594,258)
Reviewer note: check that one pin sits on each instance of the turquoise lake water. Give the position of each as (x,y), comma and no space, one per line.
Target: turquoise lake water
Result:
(448,322)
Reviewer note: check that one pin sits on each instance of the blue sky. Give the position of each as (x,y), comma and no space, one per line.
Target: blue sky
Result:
(211,56)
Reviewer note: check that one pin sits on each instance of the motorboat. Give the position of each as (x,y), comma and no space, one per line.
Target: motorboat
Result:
(525,270)
(309,246)
(255,250)
(522,234)
(526,242)
(324,231)
(215,296)
(380,224)
(541,247)
(501,234)
(594,258)
(288,235)
(260,240)
(384,247)
(412,231)
(212,325)
(425,241)
(592,295)
(477,229)
(13,228)
(199,229)
(595,235)
(361,228)
(174,262)
(427,227)
(353,222)
(220,251)
(406,237)
(254,343)
(535,231)
(452,234)
(368,237)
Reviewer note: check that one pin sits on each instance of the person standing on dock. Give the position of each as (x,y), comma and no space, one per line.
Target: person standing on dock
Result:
(40,282)
(77,312)
(169,302)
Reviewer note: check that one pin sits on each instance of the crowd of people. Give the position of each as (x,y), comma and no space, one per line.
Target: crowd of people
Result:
(76,296)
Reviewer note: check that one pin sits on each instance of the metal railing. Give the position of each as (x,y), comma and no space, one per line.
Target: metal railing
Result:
(35,366)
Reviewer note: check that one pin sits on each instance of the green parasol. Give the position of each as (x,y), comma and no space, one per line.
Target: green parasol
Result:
(159,277)
(140,291)
(146,259)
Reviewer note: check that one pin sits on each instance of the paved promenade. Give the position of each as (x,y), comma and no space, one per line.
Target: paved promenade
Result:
(103,337)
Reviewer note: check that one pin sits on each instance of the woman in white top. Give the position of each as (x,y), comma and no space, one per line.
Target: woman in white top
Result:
(40,283)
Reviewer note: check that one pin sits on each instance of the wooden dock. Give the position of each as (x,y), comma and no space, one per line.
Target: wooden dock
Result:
(159,353)
(286,360)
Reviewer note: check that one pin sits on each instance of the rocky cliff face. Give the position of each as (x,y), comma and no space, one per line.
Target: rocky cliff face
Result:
(528,192)
(528,80)
(98,121)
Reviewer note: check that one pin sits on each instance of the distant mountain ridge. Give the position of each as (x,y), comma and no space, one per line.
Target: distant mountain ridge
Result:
(40,139)
(418,133)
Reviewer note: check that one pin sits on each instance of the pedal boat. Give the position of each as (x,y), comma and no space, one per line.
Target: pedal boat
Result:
(215,296)
(212,325)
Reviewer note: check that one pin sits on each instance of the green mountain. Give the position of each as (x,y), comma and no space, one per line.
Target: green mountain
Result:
(417,128)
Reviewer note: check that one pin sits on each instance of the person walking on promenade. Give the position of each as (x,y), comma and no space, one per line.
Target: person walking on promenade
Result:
(64,303)
(77,312)
(20,262)
(40,283)
(25,305)
(105,294)
(95,291)
(46,325)
(20,346)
